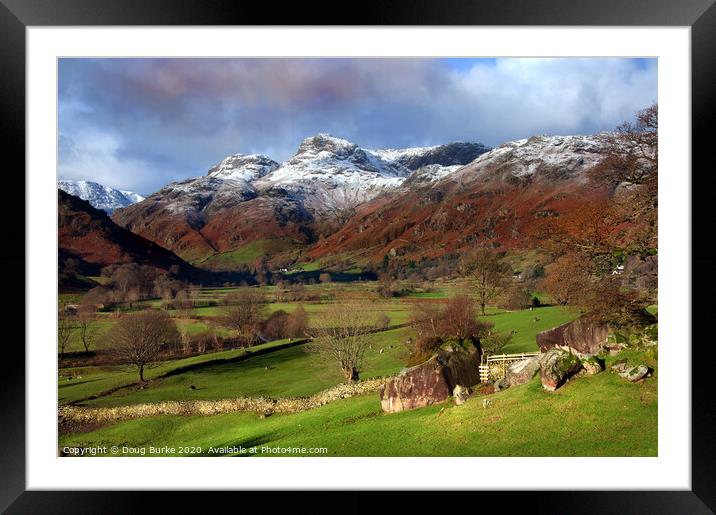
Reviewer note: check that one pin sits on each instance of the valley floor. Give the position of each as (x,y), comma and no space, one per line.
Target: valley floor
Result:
(601,415)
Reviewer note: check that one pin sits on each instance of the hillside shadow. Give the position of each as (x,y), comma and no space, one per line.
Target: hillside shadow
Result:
(66,383)
(273,361)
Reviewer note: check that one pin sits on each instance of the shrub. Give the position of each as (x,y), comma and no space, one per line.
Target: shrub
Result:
(495,343)
(516,298)
(426,346)
(383,321)
(274,328)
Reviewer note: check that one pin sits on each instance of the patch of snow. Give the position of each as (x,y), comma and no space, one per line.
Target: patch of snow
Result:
(100,196)
(526,157)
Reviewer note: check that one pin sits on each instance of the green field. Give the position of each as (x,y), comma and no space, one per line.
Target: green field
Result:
(247,254)
(103,329)
(607,415)
(90,381)
(299,374)
(602,415)
(291,372)
(526,325)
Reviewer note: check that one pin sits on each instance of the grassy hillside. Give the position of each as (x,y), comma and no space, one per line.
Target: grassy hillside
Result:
(246,254)
(90,381)
(607,417)
(289,372)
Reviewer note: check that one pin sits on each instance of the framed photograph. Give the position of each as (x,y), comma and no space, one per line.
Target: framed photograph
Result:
(429,251)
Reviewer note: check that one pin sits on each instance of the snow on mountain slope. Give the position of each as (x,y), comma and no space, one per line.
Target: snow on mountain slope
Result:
(331,173)
(100,196)
(429,174)
(225,185)
(551,156)
(327,174)
(247,167)
(497,199)
(248,197)
(204,193)
(447,155)
(132,197)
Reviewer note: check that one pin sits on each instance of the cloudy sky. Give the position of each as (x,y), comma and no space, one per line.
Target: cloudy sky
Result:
(138,124)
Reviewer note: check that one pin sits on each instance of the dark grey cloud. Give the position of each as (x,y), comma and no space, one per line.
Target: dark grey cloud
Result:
(140,123)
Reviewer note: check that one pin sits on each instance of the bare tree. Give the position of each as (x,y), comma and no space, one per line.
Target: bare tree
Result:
(86,326)
(130,281)
(425,320)
(166,287)
(65,326)
(99,296)
(341,335)
(609,302)
(183,304)
(490,274)
(459,319)
(455,319)
(244,313)
(632,150)
(297,323)
(132,296)
(139,339)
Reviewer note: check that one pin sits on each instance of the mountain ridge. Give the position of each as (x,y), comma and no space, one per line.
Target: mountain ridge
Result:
(317,188)
(100,196)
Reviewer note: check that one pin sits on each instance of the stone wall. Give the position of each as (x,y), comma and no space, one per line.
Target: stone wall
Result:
(263,405)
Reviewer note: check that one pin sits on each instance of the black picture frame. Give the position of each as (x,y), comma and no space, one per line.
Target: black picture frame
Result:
(700,15)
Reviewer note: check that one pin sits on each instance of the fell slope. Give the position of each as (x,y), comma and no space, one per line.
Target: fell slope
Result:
(494,200)
(90,235)
(249,198)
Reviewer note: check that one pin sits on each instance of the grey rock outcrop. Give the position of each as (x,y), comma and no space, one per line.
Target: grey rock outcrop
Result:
(556,367)
(522,371)
(461,394)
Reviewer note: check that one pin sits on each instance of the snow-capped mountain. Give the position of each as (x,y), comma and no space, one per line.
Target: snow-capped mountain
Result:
(497,199)
(100,196)
(244,196)
(247,167)
(330,174)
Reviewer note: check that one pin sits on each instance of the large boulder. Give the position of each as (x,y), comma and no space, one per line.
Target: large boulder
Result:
(585,335)
(556,367)
(433,381)
(522,371)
